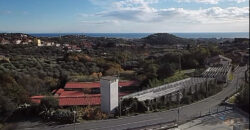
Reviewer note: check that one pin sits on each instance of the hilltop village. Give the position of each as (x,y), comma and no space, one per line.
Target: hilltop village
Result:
(50,77)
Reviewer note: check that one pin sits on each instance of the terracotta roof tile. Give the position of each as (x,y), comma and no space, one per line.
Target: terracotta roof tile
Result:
(72,85)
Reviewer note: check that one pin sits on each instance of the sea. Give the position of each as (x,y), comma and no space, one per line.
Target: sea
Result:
(141,35)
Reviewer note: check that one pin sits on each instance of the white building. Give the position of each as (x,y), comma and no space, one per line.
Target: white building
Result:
(18,41)
(109,94)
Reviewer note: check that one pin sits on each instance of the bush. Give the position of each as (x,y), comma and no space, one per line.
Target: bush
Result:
(92,113)
(132,105)
(49,102)
(64,116)
(186,100)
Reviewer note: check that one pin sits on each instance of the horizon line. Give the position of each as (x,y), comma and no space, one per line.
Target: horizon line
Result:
(111,32)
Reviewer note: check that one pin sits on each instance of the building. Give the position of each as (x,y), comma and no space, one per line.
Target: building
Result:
(109,94)
(37,42)
(18,41)
(218,60)
(94,87)
(3,41)
(85,93)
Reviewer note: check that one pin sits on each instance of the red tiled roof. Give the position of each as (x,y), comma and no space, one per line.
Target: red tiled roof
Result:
(79,101)
(36,99)
(128,83)
(62,92)
(97,84)
(74,98)
(82,85)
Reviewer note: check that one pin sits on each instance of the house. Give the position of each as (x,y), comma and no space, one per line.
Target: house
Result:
(18,41)
(94,87)
(82,93)
(73,48)
(57,45)
(244,57)
(37,42)
(218,60)
(49,43)
(3,41)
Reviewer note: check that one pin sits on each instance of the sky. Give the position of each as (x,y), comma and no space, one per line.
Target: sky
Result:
(123,16)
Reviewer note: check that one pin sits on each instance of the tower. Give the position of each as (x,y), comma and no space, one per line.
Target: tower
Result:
(109,94)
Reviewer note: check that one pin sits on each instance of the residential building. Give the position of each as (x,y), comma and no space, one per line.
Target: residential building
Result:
(218,60)
(18,41)
(85,93)
(37,42)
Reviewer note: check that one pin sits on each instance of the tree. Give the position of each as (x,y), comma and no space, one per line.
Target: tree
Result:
(151,70)
(7,107)
(166,70)
(242,100)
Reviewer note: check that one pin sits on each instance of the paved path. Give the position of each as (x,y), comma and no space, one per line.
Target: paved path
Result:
(158,117)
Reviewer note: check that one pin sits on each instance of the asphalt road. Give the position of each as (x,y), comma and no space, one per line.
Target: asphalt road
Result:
(186,112)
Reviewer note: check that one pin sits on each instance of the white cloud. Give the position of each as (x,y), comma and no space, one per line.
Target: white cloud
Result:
(140,11)
(101,22)
(211,1)
(140,16)
(201,1)
(239,1)
(210,15)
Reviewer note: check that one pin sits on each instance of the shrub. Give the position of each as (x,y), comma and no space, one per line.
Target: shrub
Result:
(186,100)
(49,102)
(64,116)
(92,113)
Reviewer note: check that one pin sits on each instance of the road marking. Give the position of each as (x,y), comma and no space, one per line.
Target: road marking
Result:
(127,124)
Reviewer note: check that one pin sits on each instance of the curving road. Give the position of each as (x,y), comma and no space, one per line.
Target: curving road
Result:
(186,112)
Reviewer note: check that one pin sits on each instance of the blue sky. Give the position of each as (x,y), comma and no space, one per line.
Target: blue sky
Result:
(124,16)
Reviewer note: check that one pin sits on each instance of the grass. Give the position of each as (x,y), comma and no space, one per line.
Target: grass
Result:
(179,75)
(231,76)
(232,100)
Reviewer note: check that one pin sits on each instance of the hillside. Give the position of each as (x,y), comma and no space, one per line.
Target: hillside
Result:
(165,39)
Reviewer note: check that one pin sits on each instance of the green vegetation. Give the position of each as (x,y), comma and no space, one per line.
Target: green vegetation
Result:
(48,103)
(132,105)
(92,113)
(242,100)
(232,99)
(165,39)
(231,76)
(28,70)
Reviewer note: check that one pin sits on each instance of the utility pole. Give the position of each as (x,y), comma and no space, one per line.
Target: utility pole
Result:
(179,62)
(178,110)
(178,114)
(119,97)
(237,84)
(119,102)
(206,85)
